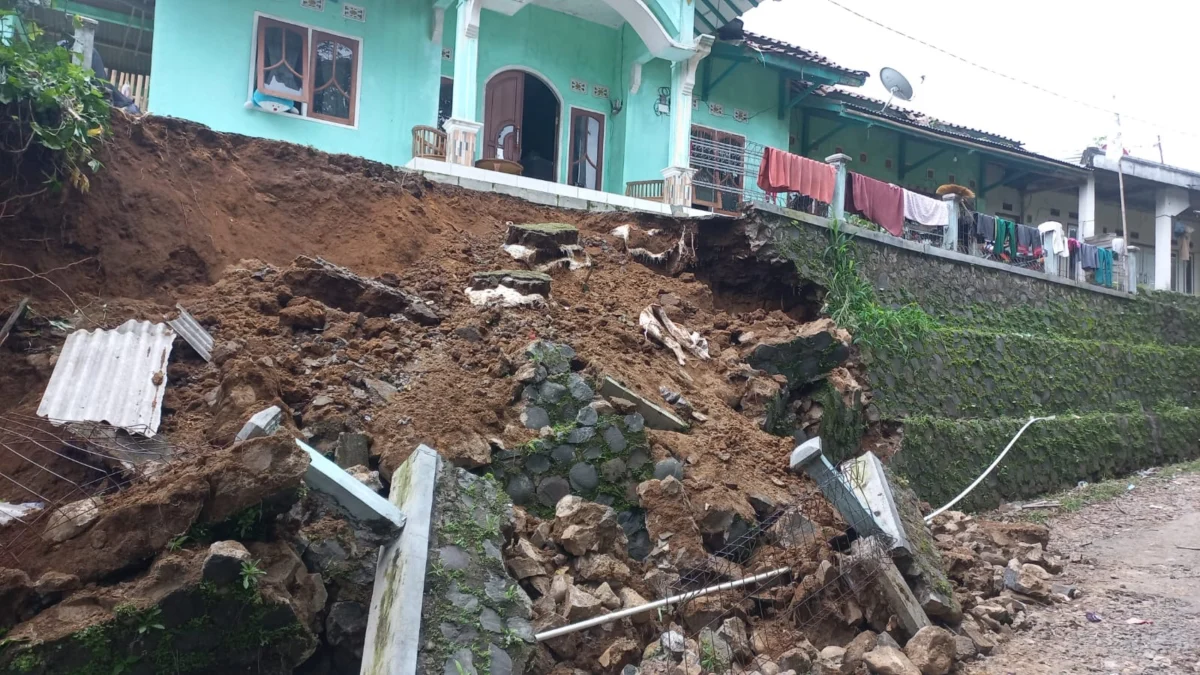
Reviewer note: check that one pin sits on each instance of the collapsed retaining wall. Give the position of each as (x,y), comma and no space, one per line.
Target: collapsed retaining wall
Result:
(1009,344)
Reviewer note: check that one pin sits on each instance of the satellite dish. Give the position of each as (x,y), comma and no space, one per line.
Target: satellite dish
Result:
(897,85)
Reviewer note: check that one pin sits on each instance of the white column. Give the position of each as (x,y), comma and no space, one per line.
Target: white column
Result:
(677,177)
(85,42)
(1087,208)
(837,209)
(950,236)
(462,129)
(1168,203)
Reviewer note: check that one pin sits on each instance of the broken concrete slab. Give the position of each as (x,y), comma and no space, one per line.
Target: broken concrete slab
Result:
(870,485)
(521,281)
(339,287)
(394,624)
(547,237)
(655,416)
(263,423)
(352,449)
(887,577)
(350,493)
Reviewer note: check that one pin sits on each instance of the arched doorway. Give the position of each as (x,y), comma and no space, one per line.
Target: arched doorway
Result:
(521,117)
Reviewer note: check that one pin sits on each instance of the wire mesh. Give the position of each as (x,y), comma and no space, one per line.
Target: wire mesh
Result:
(823,570)
(53,473)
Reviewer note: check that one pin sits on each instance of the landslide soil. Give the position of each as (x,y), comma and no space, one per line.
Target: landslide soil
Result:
(183,214)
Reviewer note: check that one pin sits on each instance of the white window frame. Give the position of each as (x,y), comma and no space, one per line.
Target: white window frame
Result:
(603,145)
(253,80)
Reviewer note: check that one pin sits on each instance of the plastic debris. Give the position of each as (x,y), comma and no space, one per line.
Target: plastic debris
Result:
(1135,621)
(1094,617)
(656,325)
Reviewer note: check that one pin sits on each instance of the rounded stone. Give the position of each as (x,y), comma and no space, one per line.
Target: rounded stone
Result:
(520,488)
(552,489)
(535,418)
(615,439)
(613,470)
(563,454)
(668,467)
(593,453)
(581,435)
(638,458)
(552,391)
(587,416)
(584,477)
(580,389)
(538,463)
(635,423)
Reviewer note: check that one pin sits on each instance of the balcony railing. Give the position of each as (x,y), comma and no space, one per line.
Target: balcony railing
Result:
(645,189)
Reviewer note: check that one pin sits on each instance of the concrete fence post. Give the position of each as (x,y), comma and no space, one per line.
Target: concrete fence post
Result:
(837,210)
(950,236)
(807,457)
(85,42)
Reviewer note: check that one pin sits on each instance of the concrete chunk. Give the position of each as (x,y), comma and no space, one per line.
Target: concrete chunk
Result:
(358,499)
(655,416)
(870,485)
(263,423)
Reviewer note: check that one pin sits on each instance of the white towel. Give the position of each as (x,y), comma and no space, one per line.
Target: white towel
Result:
(1057,238)
(921,209)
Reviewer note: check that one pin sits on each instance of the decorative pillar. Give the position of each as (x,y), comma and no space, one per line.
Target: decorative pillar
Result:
(950,236)
(1087,208)
(1168,203)
(837,210)
(85,42)
(677,177)
(462,130)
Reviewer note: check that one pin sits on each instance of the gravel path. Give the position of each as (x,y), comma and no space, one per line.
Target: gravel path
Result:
(1140,561)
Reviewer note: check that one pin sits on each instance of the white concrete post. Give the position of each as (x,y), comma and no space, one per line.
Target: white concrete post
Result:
(677,176)
(1087,208)
(1168,203)
(1131,268)
(807,457)
(462,129)
(950,236)
(837,210)
(85,42)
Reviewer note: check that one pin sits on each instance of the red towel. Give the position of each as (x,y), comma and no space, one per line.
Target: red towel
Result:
(882,203)
(784,172)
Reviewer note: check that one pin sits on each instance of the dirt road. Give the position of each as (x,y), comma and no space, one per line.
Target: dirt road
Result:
(1141,561)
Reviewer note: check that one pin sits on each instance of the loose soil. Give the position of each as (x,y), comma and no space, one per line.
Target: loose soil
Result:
(1140,561)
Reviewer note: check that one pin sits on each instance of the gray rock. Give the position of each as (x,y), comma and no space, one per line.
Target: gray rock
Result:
(587,416)
(584,478)
(668,467)
(522,628)
(535,418)
(462,662)
(367,477)
(580,390)
(263,423)
(615,439)
(382,390)
(223,564)
(491,551)
(602,407)
(520,489)
(635,423)
(552,392)
(490,621)
(563,454)
(613,470)
(501,662)
(468,333)
(638,458)
(581,435)
(593,453)
(352,450)
(464,601)
(537,463)
(552,489)
(70,520)
(454,558)
(346,625)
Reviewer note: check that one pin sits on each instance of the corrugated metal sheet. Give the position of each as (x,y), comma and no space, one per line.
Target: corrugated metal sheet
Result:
(113,376)
(712,14)
(191,331)
(763,43)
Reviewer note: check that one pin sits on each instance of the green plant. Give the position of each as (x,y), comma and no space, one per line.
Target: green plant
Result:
(148,621)
(27,662)
(247,521)
(251,573)
(177,543)
(54,113)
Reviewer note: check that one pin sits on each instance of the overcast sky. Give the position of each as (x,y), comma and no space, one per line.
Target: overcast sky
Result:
(1145,58)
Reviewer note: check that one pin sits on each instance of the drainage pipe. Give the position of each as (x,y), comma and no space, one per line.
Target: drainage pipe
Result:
(929,518)
(684,597)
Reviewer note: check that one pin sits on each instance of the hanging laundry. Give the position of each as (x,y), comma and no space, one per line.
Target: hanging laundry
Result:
(882,203)
(985,226)
(1054,237)
(784,172)
(1104,267)
(1089,256)
(921,209)
(1006,234)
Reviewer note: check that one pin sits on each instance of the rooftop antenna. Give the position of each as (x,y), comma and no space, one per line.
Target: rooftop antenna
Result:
(897,85)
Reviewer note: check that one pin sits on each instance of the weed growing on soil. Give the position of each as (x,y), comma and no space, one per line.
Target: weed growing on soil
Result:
(251,573)
(1075,499)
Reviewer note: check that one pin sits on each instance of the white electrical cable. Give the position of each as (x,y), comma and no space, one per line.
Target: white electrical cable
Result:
(675,599)
(979,480)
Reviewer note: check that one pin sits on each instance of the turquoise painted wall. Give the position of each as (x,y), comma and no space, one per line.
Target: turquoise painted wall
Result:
(646,134)
(202,72)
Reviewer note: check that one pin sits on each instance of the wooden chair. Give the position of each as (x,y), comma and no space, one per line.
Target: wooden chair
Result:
(651,190)
(429,142)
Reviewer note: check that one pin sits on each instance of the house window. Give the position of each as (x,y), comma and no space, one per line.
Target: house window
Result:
(445,102)
(586,159)
(1055,212)
(950,179)
(929,173)
(315,70)
(887,163)
(719,158)
(862,157)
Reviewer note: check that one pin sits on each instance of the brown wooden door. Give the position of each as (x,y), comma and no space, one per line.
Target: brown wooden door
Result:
(587,149)
(503,109)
